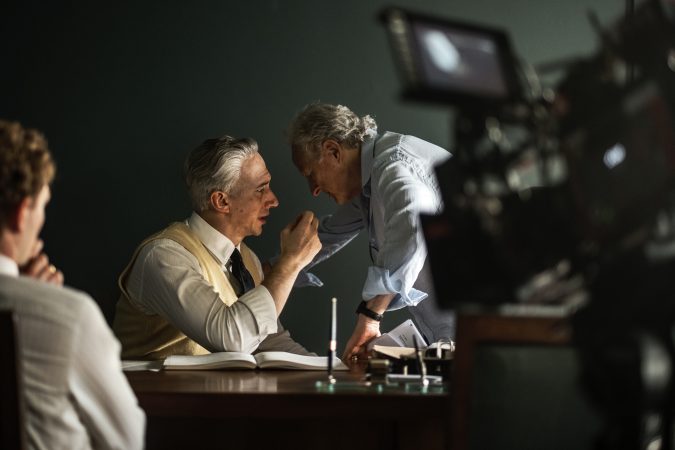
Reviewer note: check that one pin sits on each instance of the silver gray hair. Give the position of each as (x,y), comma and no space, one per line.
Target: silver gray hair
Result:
(318,122)
(216,166)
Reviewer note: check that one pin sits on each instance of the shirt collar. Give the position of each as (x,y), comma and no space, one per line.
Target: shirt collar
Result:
(216,242)
(367,148)
(8,266)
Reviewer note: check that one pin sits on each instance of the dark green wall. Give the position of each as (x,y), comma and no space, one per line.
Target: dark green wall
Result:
(124,91)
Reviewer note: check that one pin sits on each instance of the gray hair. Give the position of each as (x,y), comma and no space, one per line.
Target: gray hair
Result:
(318,122)
(216,166)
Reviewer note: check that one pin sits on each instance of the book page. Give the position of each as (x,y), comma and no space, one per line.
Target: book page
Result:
(137,365)
(218,360)
(285,360)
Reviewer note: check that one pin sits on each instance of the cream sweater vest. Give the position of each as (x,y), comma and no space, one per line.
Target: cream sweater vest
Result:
(146,336)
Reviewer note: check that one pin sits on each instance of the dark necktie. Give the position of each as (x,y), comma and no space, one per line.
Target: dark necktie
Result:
(241,273)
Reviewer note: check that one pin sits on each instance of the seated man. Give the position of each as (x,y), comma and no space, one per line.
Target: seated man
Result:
(195,287)
(75,393)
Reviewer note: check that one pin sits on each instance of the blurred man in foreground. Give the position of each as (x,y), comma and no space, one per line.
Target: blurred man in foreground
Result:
(75,393)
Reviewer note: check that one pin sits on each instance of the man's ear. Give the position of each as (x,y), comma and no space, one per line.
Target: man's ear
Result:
(220,202)
(19,217)
(332,148)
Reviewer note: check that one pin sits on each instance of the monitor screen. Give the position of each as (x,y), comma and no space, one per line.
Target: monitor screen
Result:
(452,62)
(458,60)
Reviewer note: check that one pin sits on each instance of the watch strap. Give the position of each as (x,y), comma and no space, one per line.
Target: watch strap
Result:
(363,309)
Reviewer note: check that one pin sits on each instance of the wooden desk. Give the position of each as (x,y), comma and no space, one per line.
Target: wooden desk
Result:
(286,409)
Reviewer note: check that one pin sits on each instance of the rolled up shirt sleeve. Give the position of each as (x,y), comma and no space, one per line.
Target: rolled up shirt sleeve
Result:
(168,281)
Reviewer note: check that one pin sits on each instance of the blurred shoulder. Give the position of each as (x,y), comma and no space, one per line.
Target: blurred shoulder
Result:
(27,295)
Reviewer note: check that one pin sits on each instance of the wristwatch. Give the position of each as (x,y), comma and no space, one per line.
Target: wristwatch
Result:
(363,309)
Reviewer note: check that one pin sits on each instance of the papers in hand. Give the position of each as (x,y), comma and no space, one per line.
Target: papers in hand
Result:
(401,336)
(395,352)
(262,360)
(400,343)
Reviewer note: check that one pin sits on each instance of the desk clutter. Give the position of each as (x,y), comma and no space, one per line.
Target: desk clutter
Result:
(432,363)
(393,361)
(401,356)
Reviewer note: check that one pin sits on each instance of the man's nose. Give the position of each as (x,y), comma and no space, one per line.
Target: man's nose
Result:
(273,201)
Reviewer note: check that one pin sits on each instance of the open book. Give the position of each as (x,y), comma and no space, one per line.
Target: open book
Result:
(262,360)
(137,365)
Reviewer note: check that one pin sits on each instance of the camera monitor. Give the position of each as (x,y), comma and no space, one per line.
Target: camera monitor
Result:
(450,62)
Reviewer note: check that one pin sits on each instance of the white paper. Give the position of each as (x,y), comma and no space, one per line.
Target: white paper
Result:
(402,336)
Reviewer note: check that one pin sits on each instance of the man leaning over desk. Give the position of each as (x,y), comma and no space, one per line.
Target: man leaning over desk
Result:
(381,182)
(195,287)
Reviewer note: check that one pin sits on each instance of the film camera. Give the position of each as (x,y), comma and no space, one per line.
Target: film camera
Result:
(562,195)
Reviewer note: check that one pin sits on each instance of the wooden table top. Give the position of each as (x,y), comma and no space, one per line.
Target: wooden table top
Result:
(261,393)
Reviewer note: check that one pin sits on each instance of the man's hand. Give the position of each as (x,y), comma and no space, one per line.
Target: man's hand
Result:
(366,330)
(299,244)
(300,240)
(38,267)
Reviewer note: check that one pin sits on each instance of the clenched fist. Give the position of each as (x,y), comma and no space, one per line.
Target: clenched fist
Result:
(300,240)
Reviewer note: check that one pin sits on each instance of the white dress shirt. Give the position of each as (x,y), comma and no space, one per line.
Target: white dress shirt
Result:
(75,393)
(166,279)
(8,266)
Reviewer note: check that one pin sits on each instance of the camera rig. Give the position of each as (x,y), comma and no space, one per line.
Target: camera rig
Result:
(562,195)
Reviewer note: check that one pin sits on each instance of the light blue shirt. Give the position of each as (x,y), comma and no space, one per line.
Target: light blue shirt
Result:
(399,183)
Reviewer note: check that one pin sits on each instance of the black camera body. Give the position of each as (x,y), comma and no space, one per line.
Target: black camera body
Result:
(591,166)
(562,196)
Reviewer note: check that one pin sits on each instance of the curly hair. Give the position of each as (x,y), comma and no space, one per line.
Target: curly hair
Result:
(215,165)
(26,166)
(318,122)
